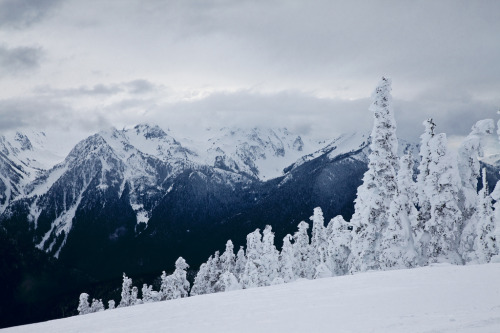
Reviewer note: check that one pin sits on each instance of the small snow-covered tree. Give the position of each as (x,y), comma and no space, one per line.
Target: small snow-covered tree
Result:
(133,296)
(339,242)
(214,271)
(240,263)
(269,259)
(111,304)
(201,283)
(250,277)
(485,245)
(126,291)
(146,293)
(446,218)
(227,259)
(176,285)
(97,305)
(286,260)
(83,304)
(319,243)
(397,247)
(379,187)
(301,251)
(227,282)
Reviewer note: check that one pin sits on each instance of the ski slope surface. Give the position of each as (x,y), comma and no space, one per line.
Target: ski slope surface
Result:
(439,298)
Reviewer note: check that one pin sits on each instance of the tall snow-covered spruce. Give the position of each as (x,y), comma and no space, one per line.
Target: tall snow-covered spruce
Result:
(374,197)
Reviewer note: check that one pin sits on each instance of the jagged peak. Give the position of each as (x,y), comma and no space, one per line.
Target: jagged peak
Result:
(150,131)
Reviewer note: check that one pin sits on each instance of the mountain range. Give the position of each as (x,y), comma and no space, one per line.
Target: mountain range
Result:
(133,200)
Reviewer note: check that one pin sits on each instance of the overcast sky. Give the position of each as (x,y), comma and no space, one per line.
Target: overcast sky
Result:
(308,65)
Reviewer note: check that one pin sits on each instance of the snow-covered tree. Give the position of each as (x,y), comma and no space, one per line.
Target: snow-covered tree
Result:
(176,285)
(146,293)
(495,195)
(269,259)
(97,305)
(133,296)
(286,260)
(126,291)
(227,282)
(339,242)
(319,243)
(111,304)
(443,183)
(397,247)
(227,259)
(424,213)
(301,250)
(469,153)
(241,260)
(485,245)
(251,277)
(469,168)
(83,304)
(201,284)
(379,187)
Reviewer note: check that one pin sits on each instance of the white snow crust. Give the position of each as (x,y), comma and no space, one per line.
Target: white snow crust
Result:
(437,298)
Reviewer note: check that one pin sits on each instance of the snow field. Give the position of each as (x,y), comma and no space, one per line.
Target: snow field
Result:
(437,298)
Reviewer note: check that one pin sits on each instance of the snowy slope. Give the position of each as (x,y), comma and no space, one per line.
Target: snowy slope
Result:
(262,153)
(23,157)
(441,298)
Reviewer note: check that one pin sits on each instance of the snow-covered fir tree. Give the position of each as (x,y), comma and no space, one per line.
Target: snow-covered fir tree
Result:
(379,187)
(111,304)
(301,251)
(485,244)
(286,260)
(201,284)
(176,285)
(126,291)
(251,277)
(83,304)
(134,300)
(227,282)
(423,201)
(495,195)
(339,245)
(146,293)
(269,259)
(97,305)
(444,226)
(227,259)
(397,247)
(319,243)
(241,260)
(469,153)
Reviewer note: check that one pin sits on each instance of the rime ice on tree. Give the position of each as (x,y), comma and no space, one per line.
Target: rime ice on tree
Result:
(379,183)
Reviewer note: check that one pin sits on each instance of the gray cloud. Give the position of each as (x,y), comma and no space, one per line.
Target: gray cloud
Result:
(41,112)
(140,86)
(135,87)
(19,59)
(19,14)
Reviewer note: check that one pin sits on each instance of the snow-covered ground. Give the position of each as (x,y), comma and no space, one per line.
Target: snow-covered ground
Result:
(440,298)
